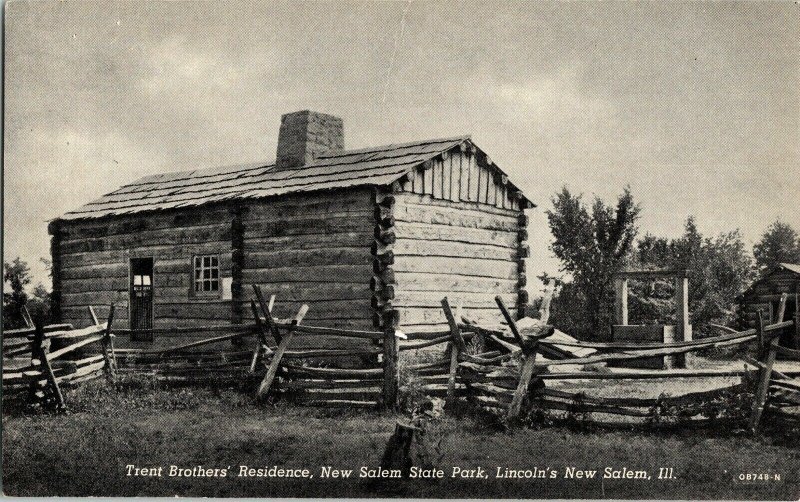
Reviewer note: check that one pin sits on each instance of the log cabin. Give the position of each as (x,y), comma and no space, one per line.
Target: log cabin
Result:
(352,233)
(765,295)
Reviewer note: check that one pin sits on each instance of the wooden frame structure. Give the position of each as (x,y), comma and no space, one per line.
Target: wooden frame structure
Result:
(682,328)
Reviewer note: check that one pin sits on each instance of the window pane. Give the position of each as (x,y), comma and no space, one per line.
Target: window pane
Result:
(196,262)
(214,273)
(214,285)
(146,280)
(137,280)
(214,261)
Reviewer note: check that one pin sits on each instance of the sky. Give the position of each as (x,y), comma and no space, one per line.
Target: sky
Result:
(696,105)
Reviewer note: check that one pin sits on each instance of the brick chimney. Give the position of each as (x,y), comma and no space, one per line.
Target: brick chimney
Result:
(306,134)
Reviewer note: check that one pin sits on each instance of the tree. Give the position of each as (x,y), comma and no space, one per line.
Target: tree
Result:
(719,270)
(17,275)
(779,244)
(591,246)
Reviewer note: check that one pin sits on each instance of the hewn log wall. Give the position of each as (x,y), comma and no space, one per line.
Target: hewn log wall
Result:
(95,255)
(314,248)
(467,251)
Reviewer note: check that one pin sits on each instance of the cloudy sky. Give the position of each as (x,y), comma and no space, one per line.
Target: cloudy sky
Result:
(695,105)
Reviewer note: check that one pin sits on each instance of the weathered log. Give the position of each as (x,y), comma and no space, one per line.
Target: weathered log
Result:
(276,358)
(39,353)
(764,376)
(334,373)
(391,374)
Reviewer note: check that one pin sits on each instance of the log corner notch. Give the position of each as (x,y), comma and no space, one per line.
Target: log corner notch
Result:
(382,283)
(524,252)
(55,230)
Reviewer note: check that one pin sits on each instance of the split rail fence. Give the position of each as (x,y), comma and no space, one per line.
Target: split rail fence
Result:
(39,360)
(498,372)
(507,379)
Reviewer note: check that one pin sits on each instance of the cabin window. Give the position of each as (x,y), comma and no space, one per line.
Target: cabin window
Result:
(206,275)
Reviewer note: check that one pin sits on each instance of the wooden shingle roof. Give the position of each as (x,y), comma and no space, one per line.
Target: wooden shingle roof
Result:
(378,166)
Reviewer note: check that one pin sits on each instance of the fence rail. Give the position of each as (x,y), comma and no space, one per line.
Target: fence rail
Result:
(503,375)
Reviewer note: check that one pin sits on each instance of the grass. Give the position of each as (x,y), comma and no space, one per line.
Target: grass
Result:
(86,450)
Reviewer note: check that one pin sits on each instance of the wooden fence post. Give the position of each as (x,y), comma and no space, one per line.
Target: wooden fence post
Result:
(266,310)
(261,337)
(391,353)
(528,365)
(764,376)
(40,352)
(107,344)
(760,332)
(620,301)
(276,358)
(457,348)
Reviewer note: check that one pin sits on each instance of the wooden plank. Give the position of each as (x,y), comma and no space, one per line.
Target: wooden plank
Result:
(312,225)
(417,247)
(455,178)
(463,205)
(464,217)
(436,179)
(44,359)
(443,232)
(339,394)
(468,267)
(261,339)
(348,333)
(647,374)
(781,308)
(447,179)
(322,202)
(276,243)
(266,311)
(289,257)
(764,376)
(168,236)
(424,343)
(451,377)
(340,403)
(334,373)
(320,273)
(793,384)
(332,384)
(641,354)
(107,343)
(792,353)
(58,353)
(454,284)
(593,408)
(330,353)
(743,336)
(263,388)
(391,370)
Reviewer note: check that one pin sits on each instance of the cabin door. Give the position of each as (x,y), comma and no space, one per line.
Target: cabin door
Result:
(141,304)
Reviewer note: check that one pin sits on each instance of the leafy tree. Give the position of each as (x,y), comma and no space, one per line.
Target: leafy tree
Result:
(592,244)
(17,275)
(779,244)
(719,269)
